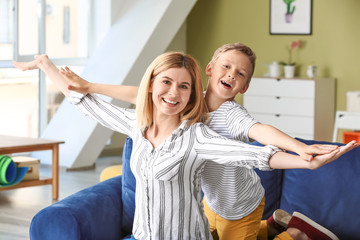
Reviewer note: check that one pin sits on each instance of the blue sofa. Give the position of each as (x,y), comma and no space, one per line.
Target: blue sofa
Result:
(329,195)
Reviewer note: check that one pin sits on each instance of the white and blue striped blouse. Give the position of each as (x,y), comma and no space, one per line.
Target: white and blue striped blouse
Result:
(168,177)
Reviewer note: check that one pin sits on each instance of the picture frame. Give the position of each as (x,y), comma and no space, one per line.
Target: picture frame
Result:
(290,17)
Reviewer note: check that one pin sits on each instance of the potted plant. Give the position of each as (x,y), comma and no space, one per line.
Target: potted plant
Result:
(289,66)
(289,10)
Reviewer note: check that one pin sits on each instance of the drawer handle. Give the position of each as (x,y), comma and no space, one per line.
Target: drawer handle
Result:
(277,97)
(277,115)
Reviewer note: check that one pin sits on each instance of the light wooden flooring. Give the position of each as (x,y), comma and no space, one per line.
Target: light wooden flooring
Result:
(17,207)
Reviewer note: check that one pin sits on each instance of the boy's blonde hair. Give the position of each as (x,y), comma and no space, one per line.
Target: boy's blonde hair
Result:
(195,110)
(238,47)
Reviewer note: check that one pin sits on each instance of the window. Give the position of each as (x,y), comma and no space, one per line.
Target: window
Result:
(19,102)
(29,27)
(67,28)
(5,30)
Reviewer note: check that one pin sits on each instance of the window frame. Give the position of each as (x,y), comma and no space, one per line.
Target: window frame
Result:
(42,95)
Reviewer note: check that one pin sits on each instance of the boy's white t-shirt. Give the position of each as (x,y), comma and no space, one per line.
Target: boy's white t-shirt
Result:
(231,192)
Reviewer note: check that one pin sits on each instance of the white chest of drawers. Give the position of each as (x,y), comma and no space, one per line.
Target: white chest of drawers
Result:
(302,108)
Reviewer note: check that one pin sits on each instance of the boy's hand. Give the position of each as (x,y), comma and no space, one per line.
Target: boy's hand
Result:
(309,151)
(75,83)
(35,64)
(320,160)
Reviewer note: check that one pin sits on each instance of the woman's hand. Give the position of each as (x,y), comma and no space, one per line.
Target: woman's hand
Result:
(75,83)
(320,160)
(282,160)
(308,151)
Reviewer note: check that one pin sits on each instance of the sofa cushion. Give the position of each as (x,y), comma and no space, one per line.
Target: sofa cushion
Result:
(272,182)
(128,189)
(329,195)
(110,172)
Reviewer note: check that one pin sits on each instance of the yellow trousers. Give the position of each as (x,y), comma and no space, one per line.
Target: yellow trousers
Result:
(247,228)
(263,233)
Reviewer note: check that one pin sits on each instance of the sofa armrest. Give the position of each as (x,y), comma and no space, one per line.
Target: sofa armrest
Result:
(93,213)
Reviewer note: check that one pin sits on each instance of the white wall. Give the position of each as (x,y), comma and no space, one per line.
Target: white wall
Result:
(140,31)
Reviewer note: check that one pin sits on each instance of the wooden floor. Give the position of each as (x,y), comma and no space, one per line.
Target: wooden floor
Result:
(17,207)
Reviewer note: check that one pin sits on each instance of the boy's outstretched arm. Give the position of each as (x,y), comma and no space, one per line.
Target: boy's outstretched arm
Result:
(282,160)
(269,135)
(78,84)
(44,63)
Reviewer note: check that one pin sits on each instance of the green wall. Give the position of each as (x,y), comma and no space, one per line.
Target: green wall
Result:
(334,45)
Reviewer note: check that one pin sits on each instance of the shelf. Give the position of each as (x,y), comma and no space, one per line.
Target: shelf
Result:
(30,183)
(11,144)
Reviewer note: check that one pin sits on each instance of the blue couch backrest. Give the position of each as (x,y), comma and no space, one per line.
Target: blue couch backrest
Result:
(329,195)
(128,188)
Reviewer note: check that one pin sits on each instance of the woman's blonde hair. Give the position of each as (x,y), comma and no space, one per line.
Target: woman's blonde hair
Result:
(195,110)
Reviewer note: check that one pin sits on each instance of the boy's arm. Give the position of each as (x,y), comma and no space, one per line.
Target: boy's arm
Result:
(78,84)
(66,80)
(44,63)
(280,160)
(269,135)
(120,92)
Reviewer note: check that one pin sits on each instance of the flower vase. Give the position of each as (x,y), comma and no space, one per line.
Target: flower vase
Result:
(289,71)
(312,71)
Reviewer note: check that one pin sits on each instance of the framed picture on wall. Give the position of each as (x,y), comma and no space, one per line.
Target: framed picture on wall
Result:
(291,17)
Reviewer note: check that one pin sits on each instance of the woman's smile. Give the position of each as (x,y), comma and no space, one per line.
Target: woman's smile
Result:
(170,102)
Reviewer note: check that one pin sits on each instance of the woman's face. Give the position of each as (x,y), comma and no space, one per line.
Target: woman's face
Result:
(171,90)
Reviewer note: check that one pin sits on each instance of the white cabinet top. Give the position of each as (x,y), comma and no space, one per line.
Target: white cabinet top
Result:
(282,87)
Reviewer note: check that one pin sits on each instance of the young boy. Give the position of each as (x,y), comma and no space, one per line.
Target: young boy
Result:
(234,197)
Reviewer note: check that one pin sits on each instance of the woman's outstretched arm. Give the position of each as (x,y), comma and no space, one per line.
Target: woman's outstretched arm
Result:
(211,146)
(282,160)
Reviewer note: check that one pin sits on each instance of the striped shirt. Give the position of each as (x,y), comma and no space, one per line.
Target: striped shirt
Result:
(231,192)
(168,196)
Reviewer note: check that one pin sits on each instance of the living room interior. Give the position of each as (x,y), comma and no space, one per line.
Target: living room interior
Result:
(331,45)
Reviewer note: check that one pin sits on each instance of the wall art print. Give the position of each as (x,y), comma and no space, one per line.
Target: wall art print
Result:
(291,17)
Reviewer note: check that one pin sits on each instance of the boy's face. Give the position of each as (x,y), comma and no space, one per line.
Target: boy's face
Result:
(229,75)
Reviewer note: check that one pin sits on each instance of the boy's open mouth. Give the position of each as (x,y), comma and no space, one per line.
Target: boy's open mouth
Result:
(228,85)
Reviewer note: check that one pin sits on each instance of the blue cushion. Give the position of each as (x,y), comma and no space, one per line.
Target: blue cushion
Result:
(329,195)
(128,189)
(271,181)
